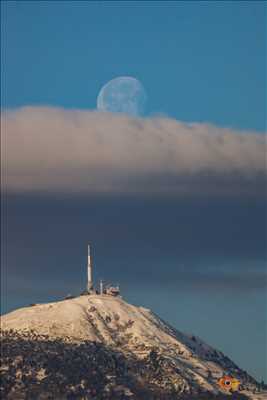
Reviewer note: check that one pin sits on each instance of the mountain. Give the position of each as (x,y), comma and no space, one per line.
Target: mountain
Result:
(101,347)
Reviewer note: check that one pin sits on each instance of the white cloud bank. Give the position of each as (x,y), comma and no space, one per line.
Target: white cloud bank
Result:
(56,150)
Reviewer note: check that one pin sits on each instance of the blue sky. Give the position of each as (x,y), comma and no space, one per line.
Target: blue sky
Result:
(199,61)
(196,258)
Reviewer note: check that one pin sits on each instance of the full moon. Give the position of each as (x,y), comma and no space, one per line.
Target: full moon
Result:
(124,94)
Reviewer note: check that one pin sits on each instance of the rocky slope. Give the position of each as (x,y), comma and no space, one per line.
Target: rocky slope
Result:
(101,347)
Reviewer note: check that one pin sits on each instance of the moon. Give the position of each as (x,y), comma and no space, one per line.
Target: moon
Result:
(124,94)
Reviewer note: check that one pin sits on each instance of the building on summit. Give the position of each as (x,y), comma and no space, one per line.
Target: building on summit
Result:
(108,290)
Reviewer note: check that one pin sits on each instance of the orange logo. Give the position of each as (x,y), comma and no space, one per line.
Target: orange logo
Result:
(229,383)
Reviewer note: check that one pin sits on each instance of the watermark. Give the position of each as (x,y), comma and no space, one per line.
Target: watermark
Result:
(229,383)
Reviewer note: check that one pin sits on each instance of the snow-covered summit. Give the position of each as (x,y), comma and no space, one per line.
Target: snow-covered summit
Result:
(189,363)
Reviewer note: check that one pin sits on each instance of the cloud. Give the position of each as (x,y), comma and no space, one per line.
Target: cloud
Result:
(75,151)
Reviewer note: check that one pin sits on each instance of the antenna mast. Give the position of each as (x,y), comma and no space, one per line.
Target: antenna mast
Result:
(89,272)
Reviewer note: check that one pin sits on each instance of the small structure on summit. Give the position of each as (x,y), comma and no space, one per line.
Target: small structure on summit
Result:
(108,290)
(111,290)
